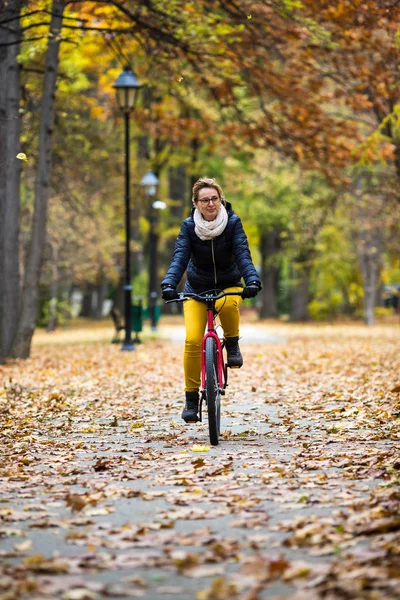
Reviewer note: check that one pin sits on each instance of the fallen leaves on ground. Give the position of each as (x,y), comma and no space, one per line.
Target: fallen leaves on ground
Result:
(301,499)
(199,448)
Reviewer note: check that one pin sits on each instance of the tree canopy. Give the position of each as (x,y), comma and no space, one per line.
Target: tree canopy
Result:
(286,101)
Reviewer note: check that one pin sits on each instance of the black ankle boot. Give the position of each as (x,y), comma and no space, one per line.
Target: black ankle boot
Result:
(234,358)
(190,411)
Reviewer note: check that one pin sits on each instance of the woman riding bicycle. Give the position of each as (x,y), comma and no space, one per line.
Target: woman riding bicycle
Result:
(212,247)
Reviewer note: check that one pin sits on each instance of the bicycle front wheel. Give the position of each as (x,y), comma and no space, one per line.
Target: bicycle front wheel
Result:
(212,391)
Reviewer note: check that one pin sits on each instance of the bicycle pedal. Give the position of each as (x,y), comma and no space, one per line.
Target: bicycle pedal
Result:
(235,367)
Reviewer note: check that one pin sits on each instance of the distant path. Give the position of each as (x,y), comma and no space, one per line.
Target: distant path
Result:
(249,334)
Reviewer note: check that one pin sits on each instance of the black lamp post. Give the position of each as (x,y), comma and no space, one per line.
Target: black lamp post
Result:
(126,88)
(150,183)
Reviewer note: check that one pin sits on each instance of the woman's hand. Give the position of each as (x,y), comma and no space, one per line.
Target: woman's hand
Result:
(251,290)
(169,293)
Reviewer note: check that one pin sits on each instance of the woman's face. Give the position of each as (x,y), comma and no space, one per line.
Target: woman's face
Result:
(208,203)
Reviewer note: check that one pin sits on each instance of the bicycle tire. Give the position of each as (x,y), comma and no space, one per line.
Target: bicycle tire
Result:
(212,391)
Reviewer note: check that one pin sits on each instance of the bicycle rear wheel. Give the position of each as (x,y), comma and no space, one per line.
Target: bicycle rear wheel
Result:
(212,391)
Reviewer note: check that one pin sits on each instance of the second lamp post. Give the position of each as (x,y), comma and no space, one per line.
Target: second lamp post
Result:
(127,87)
(150,183)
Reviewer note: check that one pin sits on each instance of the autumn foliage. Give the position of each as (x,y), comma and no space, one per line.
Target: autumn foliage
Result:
(292,105)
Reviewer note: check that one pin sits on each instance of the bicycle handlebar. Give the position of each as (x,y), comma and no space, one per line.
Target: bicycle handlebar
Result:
(208,296)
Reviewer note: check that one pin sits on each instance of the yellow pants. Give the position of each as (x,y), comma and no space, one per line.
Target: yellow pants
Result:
(195,322)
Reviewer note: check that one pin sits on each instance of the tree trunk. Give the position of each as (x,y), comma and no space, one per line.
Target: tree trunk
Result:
(269,248)
(52,323)
(153,256)
(143,156)
(300,292)
(29,305)
(100,293)
(87,301)
(177,180)
(299,299)
(369,255)
(194,166)
(10,175)
(177,183)
(369,306)
(370,241)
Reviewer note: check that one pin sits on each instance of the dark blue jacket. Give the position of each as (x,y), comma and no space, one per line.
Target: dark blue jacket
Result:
(212,264)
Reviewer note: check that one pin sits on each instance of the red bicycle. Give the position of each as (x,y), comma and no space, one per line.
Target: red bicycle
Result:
(214,369)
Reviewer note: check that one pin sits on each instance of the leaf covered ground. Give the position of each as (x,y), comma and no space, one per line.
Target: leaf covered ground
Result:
(105,493)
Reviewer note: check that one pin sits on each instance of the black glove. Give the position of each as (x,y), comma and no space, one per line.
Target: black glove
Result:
(251,290)
(169,293)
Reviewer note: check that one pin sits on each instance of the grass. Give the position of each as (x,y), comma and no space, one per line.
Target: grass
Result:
(84,331)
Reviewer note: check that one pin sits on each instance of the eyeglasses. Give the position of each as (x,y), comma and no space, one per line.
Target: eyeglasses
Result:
(213,199)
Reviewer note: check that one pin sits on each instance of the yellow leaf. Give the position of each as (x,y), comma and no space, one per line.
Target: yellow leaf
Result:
(22,156)
(34,560)
(198,448)
(23,546)
(91,547)
(55,395)
(79,594)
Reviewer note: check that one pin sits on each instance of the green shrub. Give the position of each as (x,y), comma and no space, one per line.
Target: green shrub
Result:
(320,310)
(384,311)
(62,309)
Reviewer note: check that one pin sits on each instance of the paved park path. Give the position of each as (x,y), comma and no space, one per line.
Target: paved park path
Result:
(105,493)
(250,333)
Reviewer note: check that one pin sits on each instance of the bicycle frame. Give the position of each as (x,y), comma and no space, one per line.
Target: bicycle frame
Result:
(222,375)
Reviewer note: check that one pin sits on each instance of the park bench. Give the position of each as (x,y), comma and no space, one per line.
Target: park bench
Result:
(138,315)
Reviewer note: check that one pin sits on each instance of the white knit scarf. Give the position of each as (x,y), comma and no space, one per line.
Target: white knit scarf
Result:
(207,230)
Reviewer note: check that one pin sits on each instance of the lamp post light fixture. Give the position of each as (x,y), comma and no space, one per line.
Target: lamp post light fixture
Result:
(150,184)
(126,89)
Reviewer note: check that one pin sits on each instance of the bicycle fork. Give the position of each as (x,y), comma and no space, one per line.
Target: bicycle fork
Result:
(221,370)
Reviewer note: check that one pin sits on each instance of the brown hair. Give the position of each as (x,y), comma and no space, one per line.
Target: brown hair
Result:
(204,182)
